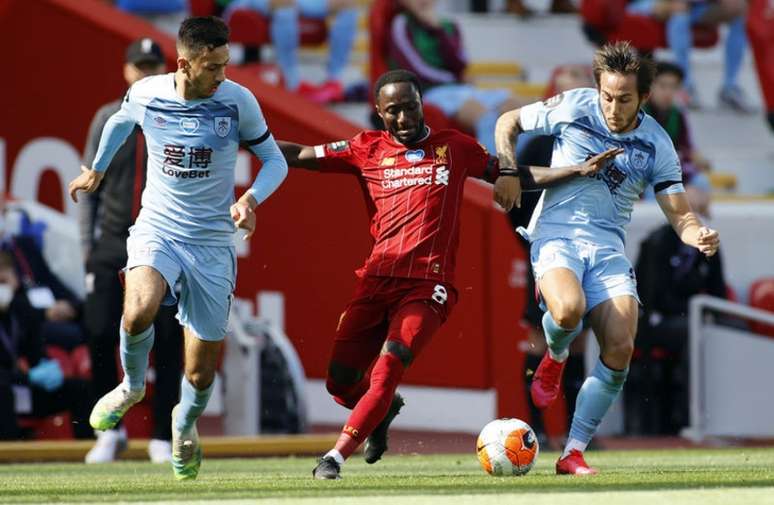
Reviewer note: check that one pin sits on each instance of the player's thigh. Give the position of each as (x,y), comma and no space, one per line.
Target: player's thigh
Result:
(559,272)
(208,279)
(614,322)
(360,333)
(201,359)
(422,310)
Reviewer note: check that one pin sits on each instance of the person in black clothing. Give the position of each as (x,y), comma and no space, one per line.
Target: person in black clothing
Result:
(30,383)
(669,274)
(106,216)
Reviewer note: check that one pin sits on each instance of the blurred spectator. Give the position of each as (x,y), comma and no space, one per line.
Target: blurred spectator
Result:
(166,15)
(106,216)
(669,274)
(679,16)
(286,39)
(760,28)
(31,384)
(663,108)
(56,306)
(431,47)
(520,9)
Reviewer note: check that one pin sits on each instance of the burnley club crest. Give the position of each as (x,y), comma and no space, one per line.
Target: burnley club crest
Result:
(222,126)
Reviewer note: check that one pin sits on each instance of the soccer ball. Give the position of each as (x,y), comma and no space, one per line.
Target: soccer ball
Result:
(507,447)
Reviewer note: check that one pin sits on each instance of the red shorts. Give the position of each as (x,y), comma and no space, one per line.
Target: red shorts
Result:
(384,308)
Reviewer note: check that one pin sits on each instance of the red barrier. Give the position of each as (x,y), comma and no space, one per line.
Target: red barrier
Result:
(66,62)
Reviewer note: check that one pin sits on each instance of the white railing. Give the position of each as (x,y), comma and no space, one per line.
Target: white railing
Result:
(242,370)
(700,330)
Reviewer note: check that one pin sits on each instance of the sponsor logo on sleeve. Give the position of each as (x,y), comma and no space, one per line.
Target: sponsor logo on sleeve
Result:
(554,101)
(338,146)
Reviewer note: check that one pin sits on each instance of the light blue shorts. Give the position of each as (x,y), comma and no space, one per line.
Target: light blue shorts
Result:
(450,97)
(604,272)
(317,9)
(205,274)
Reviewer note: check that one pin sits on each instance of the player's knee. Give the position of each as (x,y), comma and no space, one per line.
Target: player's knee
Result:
(619,353)
(200,379)
(568,314)
(398,350)
(342,378)
(136,319)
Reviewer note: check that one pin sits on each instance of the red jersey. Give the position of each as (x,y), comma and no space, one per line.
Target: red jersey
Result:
(415,195)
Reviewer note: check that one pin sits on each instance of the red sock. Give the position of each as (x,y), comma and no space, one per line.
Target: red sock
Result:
(373,406)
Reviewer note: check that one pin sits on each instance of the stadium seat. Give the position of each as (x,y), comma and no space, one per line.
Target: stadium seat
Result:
(607,21)
(250,28)
(761,296)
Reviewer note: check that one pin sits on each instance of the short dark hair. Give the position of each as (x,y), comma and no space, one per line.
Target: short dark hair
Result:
(199,33)
(666,67)
(396,76)
(621,58)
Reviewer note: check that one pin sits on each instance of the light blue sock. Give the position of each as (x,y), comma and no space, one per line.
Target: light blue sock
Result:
(558,338)
(134,355)
(341,37)
(598,392)
(285,38)
(192,404)
(736,43)
(680,40)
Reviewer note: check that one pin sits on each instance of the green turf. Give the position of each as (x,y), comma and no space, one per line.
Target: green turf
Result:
(702,477)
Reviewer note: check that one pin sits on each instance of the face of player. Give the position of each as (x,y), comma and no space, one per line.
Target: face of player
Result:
(205,71)
(133,72)
(620,101)
(400,107)
(663,91)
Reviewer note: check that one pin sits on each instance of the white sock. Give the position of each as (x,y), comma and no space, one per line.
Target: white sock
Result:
(559,357)
(336,455)
(573,444)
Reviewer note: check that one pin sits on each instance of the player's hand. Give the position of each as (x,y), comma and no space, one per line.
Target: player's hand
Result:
(507,192)
(708,241)
(596,163)
(87,181)
(244,218)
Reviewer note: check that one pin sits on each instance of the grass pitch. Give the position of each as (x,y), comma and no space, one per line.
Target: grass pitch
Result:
(705,477)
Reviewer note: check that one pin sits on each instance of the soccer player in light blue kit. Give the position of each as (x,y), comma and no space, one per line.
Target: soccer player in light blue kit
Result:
(194,121)
(577,232)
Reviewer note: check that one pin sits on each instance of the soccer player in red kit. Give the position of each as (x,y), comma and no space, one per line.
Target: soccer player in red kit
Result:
(414,178)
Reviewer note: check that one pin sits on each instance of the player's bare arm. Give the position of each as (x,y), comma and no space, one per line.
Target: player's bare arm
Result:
(507,188)
(687,224)
(298,155)
(534,178)
(87,181)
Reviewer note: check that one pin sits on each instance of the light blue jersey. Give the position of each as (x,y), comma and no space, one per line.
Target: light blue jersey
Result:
(192,148)
(598,208)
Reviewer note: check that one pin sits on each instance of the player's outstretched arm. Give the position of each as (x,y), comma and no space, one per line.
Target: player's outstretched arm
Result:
(298,155)
(536,178)
(687,224)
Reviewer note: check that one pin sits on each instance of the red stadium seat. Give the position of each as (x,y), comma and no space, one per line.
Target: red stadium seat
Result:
(761,296)
(610,21)
(202,7)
